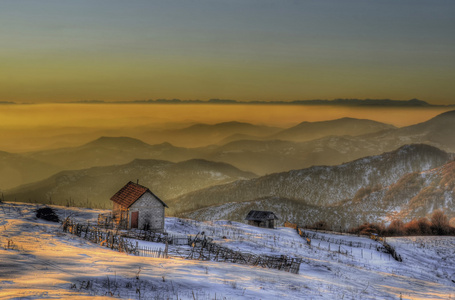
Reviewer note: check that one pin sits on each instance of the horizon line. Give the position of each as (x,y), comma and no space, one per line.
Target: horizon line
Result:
(316,102)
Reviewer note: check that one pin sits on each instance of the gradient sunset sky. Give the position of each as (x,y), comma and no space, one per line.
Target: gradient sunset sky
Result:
(57,51)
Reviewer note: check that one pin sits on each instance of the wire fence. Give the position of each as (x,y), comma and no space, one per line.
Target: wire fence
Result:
(380,246)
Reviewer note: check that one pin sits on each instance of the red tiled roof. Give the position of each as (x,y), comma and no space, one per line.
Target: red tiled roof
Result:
(128,194)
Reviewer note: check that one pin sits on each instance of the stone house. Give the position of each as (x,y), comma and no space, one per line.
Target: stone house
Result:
(135,206)
(264,219)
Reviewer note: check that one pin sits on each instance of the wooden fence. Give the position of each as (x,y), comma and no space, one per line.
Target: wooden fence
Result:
(204,248)
(108,221)
(383,247)
(152,252)
(106,238)
(313,235)
(390,250)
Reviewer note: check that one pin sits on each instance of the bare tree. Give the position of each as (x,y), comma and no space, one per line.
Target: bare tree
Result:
(424,226)
(396,227)
(439,222)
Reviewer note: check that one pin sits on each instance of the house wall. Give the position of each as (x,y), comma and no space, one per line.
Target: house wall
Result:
(271,223)
(265,224)
(257,223)
(151,211)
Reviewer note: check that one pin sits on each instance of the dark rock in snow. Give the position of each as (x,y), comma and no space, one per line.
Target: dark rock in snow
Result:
(47,213)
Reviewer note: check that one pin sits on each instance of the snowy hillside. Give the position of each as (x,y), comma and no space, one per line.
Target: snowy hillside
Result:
(38,260)
(320,185)
(413,196)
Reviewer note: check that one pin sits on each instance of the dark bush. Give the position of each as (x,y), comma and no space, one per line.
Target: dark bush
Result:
(424,226)
(368,229)
(412,228)
(396,228)
(47,213)
(440,223)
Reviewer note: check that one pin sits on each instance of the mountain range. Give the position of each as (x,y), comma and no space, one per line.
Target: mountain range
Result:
(106,151)
(399,191)
(438,131)
(16,169)
(322,185)
(94,187)
(307,131)
(262,155)
(200,135)
(346,171)
(340,102)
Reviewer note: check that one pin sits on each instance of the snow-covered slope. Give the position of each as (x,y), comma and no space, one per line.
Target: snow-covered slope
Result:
(42,262)
(414,195)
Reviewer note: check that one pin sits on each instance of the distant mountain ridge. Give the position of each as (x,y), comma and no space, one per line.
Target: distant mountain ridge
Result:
(106,151)
(15,169)
(199,135)
(346,102)
(255,154)
(95,186)
(306,131)
(260,157)
(438,131)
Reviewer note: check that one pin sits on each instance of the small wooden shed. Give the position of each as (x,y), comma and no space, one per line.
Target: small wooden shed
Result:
(135,206)
(260,218)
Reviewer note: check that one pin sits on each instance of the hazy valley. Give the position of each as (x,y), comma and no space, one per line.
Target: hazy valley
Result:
(345,170)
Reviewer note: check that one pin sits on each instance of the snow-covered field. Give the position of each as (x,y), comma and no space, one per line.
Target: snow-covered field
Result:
(38,261)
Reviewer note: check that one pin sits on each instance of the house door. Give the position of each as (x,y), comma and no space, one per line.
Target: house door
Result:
(134,219)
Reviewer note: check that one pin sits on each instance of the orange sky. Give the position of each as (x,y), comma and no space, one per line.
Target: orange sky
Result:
(114,50)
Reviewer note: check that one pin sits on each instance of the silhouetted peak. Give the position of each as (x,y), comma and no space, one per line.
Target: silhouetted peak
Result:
(417,148)
(343,120)
(166,144)
(116,141)
(442,121)
(448,114)
(223,125)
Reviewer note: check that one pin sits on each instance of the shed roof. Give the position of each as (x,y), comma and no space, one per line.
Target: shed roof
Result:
(130,193)
(258,215)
